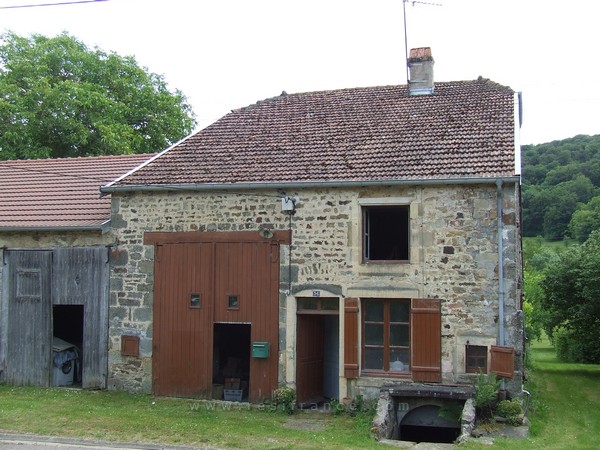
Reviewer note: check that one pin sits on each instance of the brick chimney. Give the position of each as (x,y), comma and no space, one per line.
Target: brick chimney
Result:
(420,66)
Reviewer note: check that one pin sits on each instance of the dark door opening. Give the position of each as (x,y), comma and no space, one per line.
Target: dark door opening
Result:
(231,361)
(67,344)
(427,424)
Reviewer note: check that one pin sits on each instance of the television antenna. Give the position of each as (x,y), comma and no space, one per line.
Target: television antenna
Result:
(404,2)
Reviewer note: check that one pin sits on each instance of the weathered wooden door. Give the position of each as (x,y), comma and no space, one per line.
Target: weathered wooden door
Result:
(28,321)
(250,272)
(183,320)
(80,277)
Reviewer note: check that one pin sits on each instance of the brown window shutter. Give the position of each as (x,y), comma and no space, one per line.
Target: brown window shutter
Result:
(351,338)
(426,339)
(503,361)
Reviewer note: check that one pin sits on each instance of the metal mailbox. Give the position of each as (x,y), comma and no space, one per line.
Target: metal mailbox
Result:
(260,349)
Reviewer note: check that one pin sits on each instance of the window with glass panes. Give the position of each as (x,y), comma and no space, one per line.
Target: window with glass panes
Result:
(386,335)
(476,358)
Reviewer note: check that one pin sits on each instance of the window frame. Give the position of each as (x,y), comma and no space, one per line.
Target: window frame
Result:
(387,347)
(368,204)
(477,357)
(228,302)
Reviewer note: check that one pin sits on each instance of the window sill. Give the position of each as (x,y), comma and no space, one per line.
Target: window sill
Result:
(381,374)
(385,261)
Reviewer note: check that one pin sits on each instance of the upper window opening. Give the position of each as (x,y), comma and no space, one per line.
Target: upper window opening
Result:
(386,233)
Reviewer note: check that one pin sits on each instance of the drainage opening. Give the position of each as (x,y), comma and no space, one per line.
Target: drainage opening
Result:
(429,423)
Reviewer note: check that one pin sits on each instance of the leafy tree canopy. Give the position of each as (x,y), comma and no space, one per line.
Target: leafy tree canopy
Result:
(585,219)
(558,179)
(571,299)
(59,98)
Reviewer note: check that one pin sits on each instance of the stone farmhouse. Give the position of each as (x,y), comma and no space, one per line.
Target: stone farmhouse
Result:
(335,242)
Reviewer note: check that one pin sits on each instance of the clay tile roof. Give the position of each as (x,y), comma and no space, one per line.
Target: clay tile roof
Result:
(466,129)
(59,193)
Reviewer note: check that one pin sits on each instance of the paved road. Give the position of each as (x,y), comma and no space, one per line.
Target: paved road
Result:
(31,442)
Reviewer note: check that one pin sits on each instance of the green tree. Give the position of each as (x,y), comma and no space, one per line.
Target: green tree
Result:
(556,176)
(537,256)
(535,316)
(59,98)
(572,300)
(585,219)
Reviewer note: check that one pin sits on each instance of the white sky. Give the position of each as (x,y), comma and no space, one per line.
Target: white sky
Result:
(225,54)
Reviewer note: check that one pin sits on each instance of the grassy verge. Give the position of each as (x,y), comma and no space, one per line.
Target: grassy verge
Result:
(124,417)
(564,412)
(565,406)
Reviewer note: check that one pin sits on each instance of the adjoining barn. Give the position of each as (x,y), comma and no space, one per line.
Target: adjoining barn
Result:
(54,247)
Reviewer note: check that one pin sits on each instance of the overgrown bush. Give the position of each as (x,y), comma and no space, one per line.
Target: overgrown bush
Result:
(510,410)
(486,394)
(571,290)
(567,348)
(284,398)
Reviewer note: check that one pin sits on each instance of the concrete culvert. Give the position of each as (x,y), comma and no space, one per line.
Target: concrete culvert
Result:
(427,424)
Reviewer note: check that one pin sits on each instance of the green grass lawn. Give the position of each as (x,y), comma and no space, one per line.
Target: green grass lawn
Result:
(564,412)
(118,416)
(565,406)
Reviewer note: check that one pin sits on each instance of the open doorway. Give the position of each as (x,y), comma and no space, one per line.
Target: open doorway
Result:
(317,351)
(67,344)
(231,361)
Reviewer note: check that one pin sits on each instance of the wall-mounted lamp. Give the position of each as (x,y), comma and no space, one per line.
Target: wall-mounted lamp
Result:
(289,203)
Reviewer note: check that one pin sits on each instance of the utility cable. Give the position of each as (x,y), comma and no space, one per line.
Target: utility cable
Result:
(37,5)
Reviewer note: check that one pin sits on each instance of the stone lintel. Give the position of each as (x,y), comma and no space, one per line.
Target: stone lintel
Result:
(420,390)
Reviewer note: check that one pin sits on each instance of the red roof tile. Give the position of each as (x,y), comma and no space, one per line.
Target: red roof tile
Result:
(464,130)
(56,193)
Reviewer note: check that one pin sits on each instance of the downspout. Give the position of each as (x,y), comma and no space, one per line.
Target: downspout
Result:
(501,339)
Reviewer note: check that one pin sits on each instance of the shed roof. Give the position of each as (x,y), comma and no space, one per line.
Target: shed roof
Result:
(59,193)
(465,129)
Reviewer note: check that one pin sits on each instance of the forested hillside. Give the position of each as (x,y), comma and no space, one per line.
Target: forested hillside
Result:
(561,188)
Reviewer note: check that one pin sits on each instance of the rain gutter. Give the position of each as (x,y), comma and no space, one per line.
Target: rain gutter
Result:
(103,228)
(501,338)
(308,184)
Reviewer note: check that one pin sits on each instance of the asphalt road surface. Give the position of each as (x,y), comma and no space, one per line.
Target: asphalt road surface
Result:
(31,442)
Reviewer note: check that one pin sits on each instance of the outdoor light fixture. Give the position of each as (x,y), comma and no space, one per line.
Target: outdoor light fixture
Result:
(288,204)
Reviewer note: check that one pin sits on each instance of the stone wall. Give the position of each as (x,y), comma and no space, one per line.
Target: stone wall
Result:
(453,256)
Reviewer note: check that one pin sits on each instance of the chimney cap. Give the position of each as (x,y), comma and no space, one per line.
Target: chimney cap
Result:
(420,54)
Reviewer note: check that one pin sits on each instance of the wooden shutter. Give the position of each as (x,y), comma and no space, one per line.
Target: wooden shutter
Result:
(426,339)
(503,361)
(351,338)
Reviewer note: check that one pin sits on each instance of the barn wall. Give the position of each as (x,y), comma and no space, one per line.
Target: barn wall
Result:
(453,257)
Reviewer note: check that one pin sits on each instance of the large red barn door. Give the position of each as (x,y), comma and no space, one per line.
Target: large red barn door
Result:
(183,320)
(203,279)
